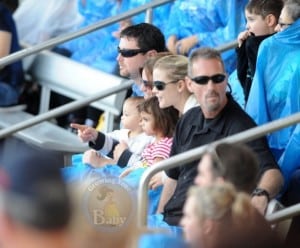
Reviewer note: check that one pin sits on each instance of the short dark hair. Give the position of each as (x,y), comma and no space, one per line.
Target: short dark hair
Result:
(165,119)
(265,7)
(148,36)
(236,163)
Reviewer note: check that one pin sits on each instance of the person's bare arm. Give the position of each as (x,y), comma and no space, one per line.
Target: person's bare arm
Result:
(167,193)
(5,41)
(272,182)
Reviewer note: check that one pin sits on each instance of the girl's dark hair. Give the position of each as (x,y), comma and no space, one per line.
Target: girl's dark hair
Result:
(165,119)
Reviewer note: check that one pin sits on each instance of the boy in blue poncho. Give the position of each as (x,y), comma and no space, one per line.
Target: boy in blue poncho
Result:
(275,88)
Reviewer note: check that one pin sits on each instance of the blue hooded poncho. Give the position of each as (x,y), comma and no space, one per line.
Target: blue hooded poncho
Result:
(215,22)
(275,94)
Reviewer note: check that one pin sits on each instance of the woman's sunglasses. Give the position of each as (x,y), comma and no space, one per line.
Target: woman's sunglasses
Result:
(217,79)
(160,85)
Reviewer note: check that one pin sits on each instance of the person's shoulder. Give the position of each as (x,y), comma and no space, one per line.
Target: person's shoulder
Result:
(237,115)
(192,113)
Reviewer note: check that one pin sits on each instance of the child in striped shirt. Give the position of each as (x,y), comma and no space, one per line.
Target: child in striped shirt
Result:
(159,123)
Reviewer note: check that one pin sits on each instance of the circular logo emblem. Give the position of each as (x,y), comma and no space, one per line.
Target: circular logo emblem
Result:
(108,203)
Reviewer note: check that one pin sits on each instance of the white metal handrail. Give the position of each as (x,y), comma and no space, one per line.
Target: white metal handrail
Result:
(64,109)
(63,38)
(196,153)
(284,214)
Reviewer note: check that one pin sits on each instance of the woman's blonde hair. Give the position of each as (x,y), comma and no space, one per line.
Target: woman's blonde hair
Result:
(175,66)
(220,201)
(237,223)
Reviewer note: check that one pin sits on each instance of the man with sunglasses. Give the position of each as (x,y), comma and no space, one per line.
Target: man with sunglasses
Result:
(137,43)
(217,117)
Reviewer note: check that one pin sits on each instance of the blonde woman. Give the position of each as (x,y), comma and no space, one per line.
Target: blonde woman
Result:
(219,216)
(170,86)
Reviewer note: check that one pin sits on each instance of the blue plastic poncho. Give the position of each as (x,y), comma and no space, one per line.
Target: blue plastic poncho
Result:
(97,49)
(79,172)
(160,14)
(215,22)
(275,93)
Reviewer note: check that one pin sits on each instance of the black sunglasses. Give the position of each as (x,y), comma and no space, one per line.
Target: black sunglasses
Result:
(159,85)
(217,78)
(128,53)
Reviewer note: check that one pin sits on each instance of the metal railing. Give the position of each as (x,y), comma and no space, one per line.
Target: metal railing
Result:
(64,109)
(196,153)
(61,39)
(284,214)
(101,24)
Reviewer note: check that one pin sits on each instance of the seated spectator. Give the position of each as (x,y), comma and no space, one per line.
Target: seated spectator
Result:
(170,84)
(262,18)
(49,19)
(147,74)
(11,76)
(233,163)
(35,206)
(216,117)
(193,24)
(275,88)
(218,216)
(137,43)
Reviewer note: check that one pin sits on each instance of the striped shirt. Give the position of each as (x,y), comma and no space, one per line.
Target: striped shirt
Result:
(156,150)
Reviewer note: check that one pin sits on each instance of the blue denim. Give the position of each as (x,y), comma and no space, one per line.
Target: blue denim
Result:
(8,95)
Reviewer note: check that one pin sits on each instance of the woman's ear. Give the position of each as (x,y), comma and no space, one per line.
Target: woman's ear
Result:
(181,85)
(208,226)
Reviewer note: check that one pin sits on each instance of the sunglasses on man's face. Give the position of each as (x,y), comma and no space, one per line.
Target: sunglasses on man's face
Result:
(216,79)
(128,53)
(160,85)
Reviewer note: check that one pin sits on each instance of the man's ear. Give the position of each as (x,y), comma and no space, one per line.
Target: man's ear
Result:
(189,83)
(151,53)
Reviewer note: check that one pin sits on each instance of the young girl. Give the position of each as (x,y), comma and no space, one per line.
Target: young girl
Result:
(159,123)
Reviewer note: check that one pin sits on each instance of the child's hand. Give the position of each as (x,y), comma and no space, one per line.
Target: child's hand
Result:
(242,37)
(183,46)
(92,158)
(156,180)
(119,149)
(85,133)
(171,44)
(126,172)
